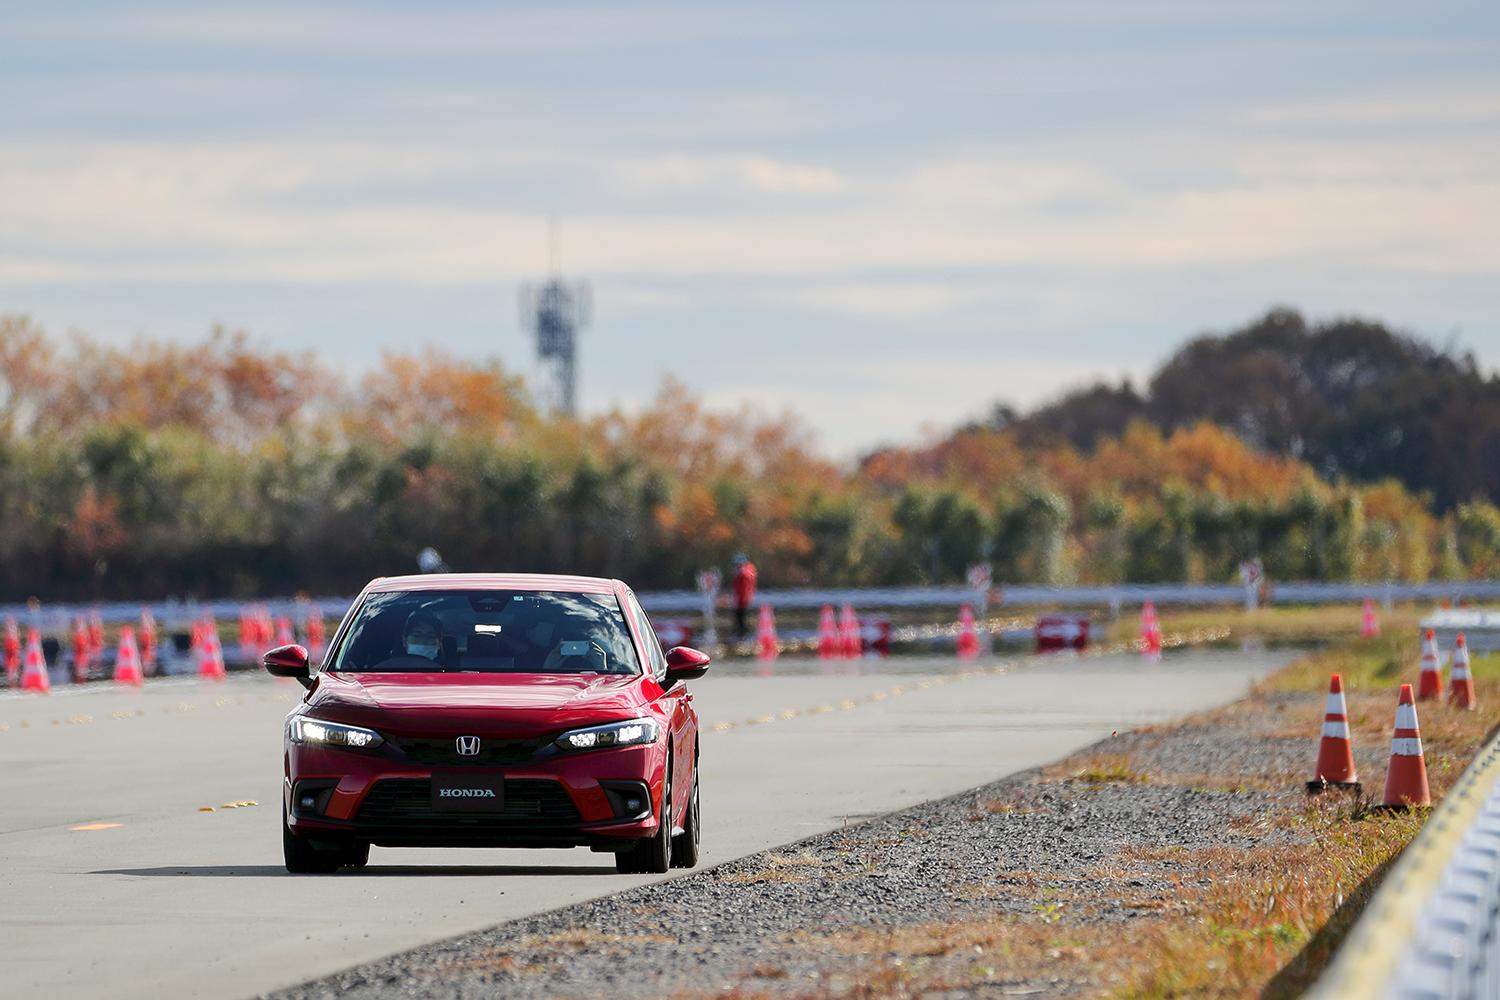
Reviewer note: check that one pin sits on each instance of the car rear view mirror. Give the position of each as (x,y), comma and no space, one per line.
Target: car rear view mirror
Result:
(684,663)
(288,661)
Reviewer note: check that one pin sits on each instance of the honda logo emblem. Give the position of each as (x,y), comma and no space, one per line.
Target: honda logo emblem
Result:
(468,746)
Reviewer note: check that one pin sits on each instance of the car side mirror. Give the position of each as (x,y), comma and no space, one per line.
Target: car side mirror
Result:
(288,661)
(684,663)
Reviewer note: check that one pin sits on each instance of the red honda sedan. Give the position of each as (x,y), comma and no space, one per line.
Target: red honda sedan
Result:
(473,710)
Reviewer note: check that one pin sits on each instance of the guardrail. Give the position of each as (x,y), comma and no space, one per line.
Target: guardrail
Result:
(1432,929)
(1114,597)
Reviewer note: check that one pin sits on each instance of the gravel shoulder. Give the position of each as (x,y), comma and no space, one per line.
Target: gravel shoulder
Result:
(1063,881)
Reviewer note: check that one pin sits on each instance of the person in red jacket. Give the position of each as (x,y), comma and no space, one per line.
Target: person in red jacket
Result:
(744,593)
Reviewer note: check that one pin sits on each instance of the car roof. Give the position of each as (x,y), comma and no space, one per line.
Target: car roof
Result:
(495,581)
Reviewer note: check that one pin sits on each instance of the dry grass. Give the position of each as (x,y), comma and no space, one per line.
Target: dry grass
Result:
(1097,769)
(778,868)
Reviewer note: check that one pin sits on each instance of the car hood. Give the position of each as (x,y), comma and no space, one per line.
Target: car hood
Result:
(419,702)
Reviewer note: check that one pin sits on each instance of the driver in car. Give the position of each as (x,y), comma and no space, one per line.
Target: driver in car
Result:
(423,636)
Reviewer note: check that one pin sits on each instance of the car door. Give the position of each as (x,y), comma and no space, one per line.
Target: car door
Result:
(676,702)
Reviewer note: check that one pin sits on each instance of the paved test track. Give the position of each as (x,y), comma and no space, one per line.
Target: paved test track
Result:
(113,883)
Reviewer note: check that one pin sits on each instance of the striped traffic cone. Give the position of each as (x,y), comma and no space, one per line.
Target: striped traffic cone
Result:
(1406,779)
(1369,625)
(828,634)
(210,654)
(128,659)
(34,665)
(1335,749)
(767,648)
(849,637)
(1430,684)
(1460,681)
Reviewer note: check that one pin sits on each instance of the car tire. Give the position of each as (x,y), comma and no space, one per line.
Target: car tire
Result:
(301,857)
(685,844)
(652,856)
(357,855)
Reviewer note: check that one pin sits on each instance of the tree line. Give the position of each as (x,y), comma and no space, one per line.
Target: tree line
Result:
(221,468)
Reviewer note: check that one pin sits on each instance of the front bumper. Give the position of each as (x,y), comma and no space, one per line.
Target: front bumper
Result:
(567,800)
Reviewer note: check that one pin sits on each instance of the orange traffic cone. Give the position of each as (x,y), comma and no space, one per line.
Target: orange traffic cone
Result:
(1430,683)
(248,645)
(1335,749)
(1369,625)
(315,635)
(849,641)
(210,655)
(128,659)
(83,650)
(96,634)
(766,646)
(1460,681)
(284,634)
(968,636)
(12,644)
(1406,779)
(148,639)
(1150,630)
(828,634)
(34,665)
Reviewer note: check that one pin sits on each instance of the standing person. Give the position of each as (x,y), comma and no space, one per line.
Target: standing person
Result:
(744,593)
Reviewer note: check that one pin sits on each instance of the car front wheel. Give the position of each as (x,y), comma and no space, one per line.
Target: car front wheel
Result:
(301,857)
(652,856)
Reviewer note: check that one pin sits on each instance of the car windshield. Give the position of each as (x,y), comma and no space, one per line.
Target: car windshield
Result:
(492,631)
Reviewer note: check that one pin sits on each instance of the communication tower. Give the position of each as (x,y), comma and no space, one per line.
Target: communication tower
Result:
(555,311)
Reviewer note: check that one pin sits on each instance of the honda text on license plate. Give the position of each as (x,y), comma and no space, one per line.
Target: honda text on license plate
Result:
(468,792)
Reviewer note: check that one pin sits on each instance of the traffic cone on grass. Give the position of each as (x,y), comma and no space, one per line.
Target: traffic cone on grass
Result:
(766,646)
(968,636)
(128,660)
(34,665)
(1430,684)
(1406,779)
(1335,749)
(1460,681)
(1150,630)
(1369,625)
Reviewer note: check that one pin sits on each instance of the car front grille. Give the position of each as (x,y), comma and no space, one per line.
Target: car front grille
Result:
(534,809)
(444,752)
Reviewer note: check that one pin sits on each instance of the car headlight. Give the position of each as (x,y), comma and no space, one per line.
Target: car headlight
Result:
(630,733)
(316,732)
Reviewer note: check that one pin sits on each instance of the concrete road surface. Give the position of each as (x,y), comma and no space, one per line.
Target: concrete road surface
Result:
(115,883)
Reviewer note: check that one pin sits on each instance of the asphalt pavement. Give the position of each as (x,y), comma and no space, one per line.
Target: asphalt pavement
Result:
(117,881)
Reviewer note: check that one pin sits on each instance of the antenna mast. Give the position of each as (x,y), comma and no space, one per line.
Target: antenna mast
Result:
(554,312)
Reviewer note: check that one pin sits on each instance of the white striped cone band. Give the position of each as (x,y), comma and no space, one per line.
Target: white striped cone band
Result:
(1406,717)
(1406,746)
(1338,730)
(1460,671)
(1335,704)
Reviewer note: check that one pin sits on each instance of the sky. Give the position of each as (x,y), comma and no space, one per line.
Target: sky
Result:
(882,217)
